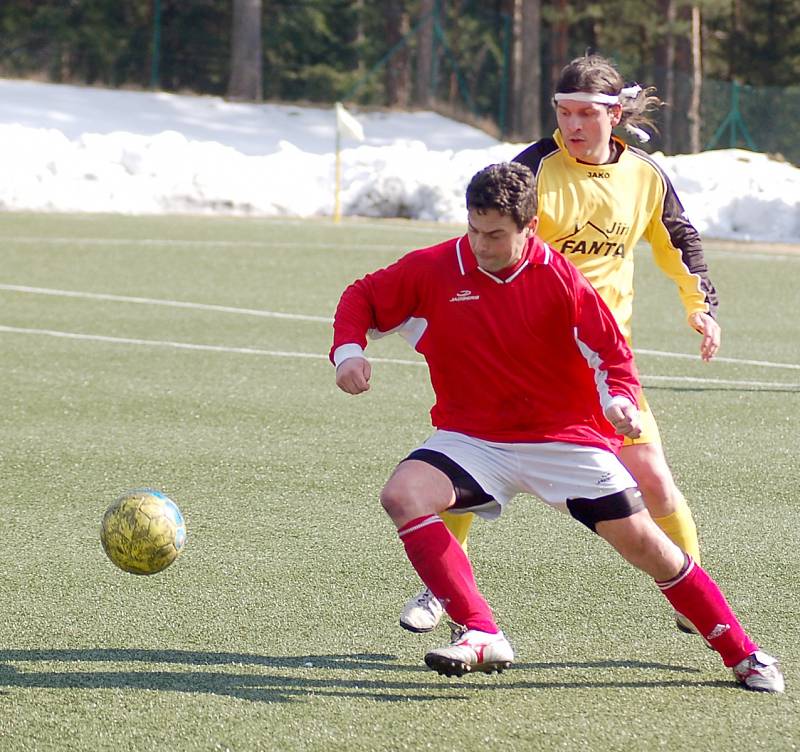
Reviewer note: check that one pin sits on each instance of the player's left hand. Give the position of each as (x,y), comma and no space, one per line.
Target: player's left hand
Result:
(625,419)
(705,325)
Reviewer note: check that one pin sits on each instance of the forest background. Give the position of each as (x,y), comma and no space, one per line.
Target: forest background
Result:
(728,69)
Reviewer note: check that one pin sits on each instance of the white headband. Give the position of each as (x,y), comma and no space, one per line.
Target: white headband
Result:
(629,92)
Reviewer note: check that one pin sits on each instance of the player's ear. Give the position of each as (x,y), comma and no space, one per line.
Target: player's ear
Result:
(533,225)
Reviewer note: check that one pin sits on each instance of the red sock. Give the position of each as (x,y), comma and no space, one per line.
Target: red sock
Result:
(445,569)
(695,595)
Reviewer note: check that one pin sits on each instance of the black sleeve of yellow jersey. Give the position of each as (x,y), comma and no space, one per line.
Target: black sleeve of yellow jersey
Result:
(684,236)
(532,156)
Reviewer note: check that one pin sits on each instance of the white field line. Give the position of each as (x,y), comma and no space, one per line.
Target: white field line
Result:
(753,255)
(441,229)
(728,382)
(321,319)
(185,345)
(319,356)
(401,225)
(160,302)
(717,359)
(442,232)
(160,243)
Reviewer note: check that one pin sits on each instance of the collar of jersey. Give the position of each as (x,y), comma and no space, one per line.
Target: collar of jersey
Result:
(536,252)
(559,139)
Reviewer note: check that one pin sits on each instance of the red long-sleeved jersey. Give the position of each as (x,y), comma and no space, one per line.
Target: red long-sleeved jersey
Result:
(532,356)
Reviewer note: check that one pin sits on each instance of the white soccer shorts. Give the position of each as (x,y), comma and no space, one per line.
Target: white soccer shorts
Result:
(554,471)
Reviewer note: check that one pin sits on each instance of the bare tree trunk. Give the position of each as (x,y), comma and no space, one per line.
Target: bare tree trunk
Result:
(245,80)
(530,116)
(359,36)
(560,43)
(737,30)
(515,74)
(455,47)
(669,75)
(425,54)
(697,81)
(526,77)
(397,88)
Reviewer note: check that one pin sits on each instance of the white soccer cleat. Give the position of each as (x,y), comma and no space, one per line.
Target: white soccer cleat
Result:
(422,613)
(471,650)
(759,672)
(684,625)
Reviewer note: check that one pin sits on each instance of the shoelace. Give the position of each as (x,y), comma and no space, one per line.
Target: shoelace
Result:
(425,597)
(457,631)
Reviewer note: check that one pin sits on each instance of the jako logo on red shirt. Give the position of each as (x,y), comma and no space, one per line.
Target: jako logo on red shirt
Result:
(464,295)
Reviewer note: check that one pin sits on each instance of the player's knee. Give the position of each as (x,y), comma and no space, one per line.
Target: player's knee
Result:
(403,501)
(394,499)
(416,488)
(658,489)
(654,478)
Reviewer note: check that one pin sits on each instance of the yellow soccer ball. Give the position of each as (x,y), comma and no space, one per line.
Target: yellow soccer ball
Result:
(143,531)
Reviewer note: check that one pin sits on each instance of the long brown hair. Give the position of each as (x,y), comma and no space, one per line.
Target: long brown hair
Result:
(597,74)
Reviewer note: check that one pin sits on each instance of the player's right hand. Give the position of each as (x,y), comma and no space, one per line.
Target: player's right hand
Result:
(625,419)
(705,325)
(353,374)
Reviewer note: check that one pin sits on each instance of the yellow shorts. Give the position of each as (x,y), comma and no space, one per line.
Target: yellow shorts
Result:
(650,433)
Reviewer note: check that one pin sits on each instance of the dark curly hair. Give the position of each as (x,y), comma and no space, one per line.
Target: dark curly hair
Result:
(508,187)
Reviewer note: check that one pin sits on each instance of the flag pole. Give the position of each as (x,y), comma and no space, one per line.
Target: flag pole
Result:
(337,199)
(346,125)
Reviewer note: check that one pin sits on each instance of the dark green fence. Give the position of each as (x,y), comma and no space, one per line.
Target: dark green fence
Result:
(179,47)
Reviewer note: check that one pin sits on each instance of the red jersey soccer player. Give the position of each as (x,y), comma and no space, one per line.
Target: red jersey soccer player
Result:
(532,378)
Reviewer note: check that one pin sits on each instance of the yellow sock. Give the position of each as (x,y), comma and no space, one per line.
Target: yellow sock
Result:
(681,530)
(459,525)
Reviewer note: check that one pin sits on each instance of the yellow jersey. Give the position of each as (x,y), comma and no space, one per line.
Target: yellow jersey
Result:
(595,215)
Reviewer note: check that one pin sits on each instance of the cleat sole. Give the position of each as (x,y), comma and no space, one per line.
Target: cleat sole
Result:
(452,668)
(491,668)
(416,630)
(683,628)
(762,690)
(447,668)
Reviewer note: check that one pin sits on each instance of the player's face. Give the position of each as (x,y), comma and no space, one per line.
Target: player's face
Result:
(586,128)
(495,239)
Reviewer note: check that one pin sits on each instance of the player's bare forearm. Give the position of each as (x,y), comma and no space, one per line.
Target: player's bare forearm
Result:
(353,375)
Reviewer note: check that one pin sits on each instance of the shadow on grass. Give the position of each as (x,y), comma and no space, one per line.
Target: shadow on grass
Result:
(305,681)
(349,662)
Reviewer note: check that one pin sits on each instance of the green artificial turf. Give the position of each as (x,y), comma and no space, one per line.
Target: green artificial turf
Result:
(277,628)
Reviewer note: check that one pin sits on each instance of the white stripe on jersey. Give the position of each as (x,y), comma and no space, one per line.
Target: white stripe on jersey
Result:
(458,255)
(600,376)
(508,279)
(411,330)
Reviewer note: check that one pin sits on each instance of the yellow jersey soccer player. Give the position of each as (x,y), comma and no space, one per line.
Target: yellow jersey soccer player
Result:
(597,198)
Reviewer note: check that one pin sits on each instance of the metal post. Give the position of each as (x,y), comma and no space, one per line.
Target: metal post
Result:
(156,50)
(435,51)
(337,188)
(733,121)
(504,79)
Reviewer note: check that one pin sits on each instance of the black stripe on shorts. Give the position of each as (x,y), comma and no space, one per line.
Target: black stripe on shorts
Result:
(615,506)
(468,491)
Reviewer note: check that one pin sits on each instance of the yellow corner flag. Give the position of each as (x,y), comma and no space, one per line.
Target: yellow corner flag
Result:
(346,126)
